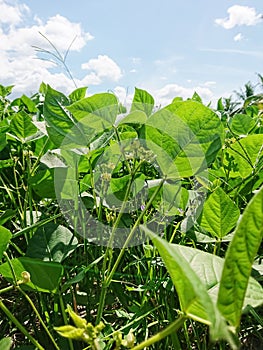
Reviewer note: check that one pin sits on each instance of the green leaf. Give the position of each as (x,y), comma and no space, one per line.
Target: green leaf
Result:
(96,113)
(220,214)
(194,298)
(136,117)
(6,343)
(185,136)
(142,101)
(7,215)
(209,267)
(21,126)
(43,183)
(78,94)
(29,104)
(63,130)
(6,163)
(118,186)
(6,90)
(51,242)
(3,129)
(241,124)
(204,125)
(5,236)
(45,276)
(171,199)
(196,97)
(239,259)
(246,154)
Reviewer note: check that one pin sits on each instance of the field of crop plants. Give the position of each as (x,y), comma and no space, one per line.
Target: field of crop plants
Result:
(137,228)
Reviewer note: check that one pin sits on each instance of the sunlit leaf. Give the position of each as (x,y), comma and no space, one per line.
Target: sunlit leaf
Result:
(194,298)
(142,101)
(220,214)
(63,130)
(239,260)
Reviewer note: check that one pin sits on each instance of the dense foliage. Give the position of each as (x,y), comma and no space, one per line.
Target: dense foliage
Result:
(130,229)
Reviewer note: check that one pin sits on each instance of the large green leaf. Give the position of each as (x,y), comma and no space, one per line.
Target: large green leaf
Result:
(245,155)
(194,298)
(220,214)
(96,113)
(21,126)
(239,259)
(45,276)
(142,101)
(185,136)
(209,268)
(63,130)
(51,242)
(5,236)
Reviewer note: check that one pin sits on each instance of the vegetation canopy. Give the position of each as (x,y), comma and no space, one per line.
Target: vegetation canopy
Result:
(130,227)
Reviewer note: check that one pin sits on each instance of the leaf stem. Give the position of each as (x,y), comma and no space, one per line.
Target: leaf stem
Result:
(108,280)
(19,325)
(39,317)
(173,327)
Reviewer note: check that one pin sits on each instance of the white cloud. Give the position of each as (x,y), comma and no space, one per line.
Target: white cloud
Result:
(20,63)
(123,95)
(59,30)
(238,16)
(166,94)
(12,15)
(238,37)
(102,67)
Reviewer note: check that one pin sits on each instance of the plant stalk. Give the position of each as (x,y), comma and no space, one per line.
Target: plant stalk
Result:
(173,327)
(116,264)
(20,326)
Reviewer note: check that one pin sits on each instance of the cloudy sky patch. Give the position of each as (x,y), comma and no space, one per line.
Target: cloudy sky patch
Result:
(240,16)
(163,48)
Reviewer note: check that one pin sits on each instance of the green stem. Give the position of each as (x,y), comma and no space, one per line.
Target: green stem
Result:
(108,253)
(39,317)
(7,289)
(173,327)
(132,232)
(11,267)
(20,326)
(108,280)
(36,225)
(62,306)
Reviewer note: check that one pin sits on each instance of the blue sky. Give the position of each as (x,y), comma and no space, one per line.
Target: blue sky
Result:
(170,48)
